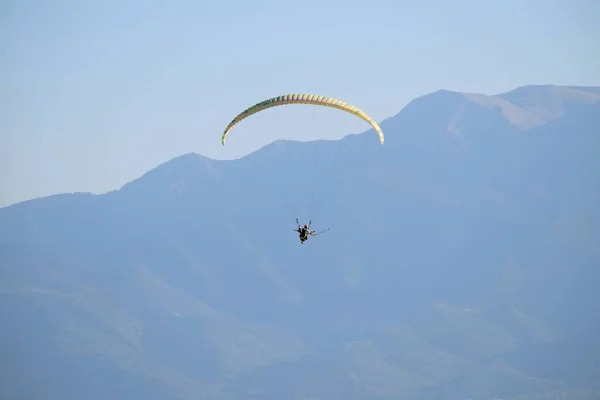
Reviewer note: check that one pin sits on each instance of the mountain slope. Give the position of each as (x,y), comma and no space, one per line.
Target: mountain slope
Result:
(457,255)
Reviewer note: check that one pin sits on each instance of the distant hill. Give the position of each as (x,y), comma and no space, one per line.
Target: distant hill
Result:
(462,262)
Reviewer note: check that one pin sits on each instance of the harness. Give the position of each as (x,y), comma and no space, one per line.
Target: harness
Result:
(303,234)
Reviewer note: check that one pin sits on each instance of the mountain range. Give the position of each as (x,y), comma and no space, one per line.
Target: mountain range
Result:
(462,260)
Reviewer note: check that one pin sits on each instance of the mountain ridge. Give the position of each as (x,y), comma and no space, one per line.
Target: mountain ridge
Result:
(591,95)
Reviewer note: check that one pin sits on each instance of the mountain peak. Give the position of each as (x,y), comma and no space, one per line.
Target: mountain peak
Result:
(524,108)
(178,174)
(458,112)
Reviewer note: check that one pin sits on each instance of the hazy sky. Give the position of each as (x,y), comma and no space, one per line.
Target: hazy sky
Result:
(95,93)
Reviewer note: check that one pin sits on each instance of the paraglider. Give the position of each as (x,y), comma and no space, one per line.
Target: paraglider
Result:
(310,99)
(304,231)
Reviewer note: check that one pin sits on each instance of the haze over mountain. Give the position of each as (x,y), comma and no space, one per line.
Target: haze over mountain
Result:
(462,262)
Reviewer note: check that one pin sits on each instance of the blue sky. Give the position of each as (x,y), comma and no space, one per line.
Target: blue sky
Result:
(93,94)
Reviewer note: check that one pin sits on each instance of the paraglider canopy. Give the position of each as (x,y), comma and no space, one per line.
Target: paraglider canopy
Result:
(302,99)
